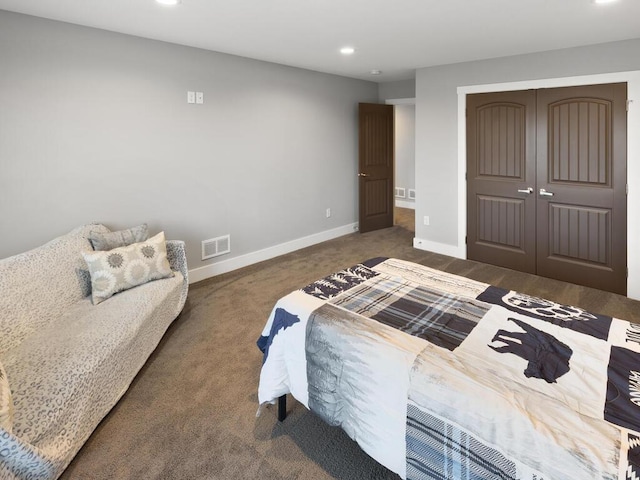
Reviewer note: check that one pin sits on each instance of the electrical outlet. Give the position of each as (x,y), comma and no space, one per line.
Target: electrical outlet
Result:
(328,212)
(191,97)
(426,220)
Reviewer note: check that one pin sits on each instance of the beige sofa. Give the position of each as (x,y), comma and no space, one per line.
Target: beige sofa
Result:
(68,361)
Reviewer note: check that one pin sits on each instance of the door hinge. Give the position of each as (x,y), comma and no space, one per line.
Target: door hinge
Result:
(465,240)
(629,102)
(626,189)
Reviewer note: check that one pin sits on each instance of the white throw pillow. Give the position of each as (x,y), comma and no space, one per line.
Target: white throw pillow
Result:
(123,268)
(6,404)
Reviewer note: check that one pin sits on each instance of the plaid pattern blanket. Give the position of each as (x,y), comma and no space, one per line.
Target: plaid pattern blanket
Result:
(441,318)
(439,450)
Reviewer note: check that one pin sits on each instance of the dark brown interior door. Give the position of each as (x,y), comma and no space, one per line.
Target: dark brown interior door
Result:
(501,179)
(582,204)
(375,163)
(563,151)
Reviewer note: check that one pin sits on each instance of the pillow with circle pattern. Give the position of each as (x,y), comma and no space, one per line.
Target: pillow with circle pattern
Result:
(123,268)
(6,404)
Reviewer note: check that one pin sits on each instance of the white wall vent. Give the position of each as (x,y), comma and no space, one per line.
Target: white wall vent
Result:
(400,192)
(216,246)
(412,194)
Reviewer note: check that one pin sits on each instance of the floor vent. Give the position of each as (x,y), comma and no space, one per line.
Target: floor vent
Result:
(216,246)
(412,194)
(400,192)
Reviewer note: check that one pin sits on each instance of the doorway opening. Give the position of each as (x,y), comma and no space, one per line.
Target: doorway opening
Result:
(405,152)
(386,171)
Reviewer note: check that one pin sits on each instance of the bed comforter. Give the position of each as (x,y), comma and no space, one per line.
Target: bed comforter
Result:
(438,376)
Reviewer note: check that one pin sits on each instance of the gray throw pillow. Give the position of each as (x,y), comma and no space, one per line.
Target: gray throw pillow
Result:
(126,267)
(121,238)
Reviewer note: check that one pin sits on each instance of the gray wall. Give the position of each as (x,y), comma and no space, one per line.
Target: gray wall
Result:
(397,89)
(94,126)
(436,117)
(405,143)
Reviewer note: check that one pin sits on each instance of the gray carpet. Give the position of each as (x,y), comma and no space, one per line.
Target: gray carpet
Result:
(190,413)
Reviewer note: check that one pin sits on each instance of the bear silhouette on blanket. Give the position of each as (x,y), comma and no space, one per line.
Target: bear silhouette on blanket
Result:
(548,358)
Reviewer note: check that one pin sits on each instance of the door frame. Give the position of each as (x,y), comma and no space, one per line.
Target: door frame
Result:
(632,78)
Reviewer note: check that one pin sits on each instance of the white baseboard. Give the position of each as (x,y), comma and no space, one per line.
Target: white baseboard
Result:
(208,271)
(441,248)
(406,204)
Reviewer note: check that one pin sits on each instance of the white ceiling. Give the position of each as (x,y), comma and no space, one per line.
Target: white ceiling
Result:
(395,36)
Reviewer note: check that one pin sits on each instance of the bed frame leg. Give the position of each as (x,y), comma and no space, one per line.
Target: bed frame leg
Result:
(282,408)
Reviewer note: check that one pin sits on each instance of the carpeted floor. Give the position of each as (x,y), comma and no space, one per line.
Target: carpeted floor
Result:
(190,413)
(405,217)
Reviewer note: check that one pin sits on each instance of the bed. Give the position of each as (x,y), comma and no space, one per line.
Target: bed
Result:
(438,376)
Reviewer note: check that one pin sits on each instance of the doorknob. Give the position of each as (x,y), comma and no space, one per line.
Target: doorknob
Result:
(544,193)
(527,190)
(363,175)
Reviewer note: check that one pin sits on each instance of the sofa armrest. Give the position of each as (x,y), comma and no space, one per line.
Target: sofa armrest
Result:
(177,257)
(22,460)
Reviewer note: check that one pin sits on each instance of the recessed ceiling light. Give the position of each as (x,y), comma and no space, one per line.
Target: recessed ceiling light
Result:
(168,2)
(375,72)
(347,50)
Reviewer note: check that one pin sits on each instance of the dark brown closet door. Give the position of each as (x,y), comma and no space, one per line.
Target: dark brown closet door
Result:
(501,179)
(375,163)
(567,146)
(581,191)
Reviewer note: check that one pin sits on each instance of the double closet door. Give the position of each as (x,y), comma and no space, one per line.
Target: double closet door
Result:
(546,183)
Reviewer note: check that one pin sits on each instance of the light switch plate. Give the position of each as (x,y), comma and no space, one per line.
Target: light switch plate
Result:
(199,98)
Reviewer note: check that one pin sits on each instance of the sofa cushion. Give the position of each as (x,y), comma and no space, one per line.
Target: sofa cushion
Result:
(66,377)
(123,268)
(6,404)
(39,285)
(121,238)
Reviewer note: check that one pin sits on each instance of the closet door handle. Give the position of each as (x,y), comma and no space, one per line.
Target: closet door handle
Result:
(544,193)
(527,190)
(363,175)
